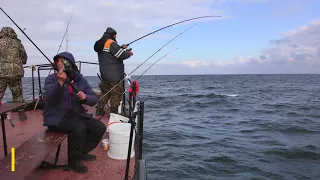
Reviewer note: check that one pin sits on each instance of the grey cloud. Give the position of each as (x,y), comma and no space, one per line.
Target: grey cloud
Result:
(318,51)
(293,45)
(253,60)
(304,36)
(280,41)
(275,55)
(263,57)
(298,49)
(300,56)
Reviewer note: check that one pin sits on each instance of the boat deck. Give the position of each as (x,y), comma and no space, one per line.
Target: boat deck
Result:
(103,168)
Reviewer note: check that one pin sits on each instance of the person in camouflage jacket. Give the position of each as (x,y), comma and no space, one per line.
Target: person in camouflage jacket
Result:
(12,58)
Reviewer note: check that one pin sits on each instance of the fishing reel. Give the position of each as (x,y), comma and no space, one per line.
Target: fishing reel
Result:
(124,46)
(68,67)
(128,78)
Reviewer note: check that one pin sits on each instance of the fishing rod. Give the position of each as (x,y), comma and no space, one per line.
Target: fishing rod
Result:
(54,66)
(200,17)
(64,34)
(66,31)
(146,61)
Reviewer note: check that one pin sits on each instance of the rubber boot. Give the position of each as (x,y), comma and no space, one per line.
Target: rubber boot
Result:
(100,112)
(114,110)
(88,157)
(76,165)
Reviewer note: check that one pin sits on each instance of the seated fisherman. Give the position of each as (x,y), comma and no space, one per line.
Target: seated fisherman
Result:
(64,112)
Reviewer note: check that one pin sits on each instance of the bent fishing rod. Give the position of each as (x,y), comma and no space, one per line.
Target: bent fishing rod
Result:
(54,66)
(200,17)
(145,61)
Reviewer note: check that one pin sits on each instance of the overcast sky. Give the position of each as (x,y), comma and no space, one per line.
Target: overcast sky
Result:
(254,36)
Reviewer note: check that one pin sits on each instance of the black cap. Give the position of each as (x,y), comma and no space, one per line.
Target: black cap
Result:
(111,31)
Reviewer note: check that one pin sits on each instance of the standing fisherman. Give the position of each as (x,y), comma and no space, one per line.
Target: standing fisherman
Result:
(111,57)
(12,58)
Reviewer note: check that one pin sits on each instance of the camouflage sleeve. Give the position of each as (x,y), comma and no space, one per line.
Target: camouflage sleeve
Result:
(23,53)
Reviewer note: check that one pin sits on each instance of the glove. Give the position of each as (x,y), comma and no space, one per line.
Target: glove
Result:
(124,46)
(131,54)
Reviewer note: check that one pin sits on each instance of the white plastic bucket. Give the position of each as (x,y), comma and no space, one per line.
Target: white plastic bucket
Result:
(116,118)
(119,135)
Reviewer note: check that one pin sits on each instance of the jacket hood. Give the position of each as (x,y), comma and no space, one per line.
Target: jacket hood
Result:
(8,32)
(111,31)
(108,36)
(67,56)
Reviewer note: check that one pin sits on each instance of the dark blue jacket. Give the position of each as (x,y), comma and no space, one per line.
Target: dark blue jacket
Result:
(111,57)
(58,100)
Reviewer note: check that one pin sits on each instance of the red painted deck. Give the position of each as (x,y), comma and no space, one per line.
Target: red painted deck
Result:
(103,168)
